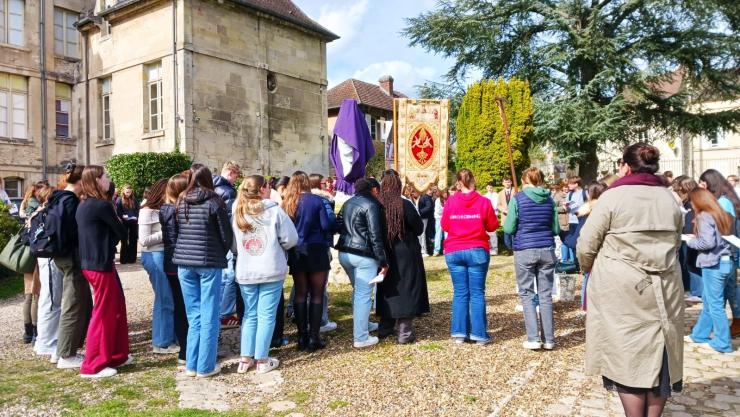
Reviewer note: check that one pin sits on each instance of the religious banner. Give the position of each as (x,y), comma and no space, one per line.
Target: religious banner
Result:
(422,142)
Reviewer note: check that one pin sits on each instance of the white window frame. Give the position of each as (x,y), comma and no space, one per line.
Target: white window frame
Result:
(106,93)
(154,96)
(68,45)
(18,189)
(63,106)
(718,140)
(5,22)
(13,109)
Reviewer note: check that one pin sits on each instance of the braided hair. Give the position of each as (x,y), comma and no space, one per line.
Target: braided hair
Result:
(390,197)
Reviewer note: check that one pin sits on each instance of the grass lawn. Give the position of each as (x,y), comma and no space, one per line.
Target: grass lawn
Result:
(11,286)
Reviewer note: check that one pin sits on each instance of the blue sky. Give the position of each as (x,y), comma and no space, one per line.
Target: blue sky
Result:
(371,44)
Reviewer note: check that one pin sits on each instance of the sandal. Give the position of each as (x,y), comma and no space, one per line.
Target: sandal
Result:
(229,322)
(244,365)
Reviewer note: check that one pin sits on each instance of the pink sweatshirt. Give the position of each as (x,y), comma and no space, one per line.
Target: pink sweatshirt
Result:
(467,218)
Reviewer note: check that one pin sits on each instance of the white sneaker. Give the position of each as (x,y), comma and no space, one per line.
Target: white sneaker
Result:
(328,327)
(371,340)
(105,373)
(72,362)
(532,345)
(166,350)
(424,255)
(693,299)
(54,358)
(519,308)
(129,361)
(180,365)
(263,368)
(548,346)
(459,340)
(371,327)
(190,373)
(215,371)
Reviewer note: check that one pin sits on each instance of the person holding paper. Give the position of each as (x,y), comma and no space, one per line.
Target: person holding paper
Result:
(714,259)
(362,254)
(402,295)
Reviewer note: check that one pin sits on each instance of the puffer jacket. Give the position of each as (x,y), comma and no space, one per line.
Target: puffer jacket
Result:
(204,231)
(225,190)
(362,228)
(169,235)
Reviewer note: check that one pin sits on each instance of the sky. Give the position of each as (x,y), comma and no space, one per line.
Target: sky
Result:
(371,44)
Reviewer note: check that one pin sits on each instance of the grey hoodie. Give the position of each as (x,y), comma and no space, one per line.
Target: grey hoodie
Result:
(261,254)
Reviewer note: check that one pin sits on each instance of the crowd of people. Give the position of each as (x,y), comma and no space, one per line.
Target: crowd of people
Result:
(217,255)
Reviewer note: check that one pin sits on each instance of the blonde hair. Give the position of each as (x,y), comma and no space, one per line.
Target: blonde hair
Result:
(298,184)
(231,166)
(249,202)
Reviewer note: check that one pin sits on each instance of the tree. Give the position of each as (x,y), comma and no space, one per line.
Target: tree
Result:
(600,70)
(481,145)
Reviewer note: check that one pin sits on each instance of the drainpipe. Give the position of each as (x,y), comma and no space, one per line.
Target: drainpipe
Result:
(42,47)
(87,97)
(176,125)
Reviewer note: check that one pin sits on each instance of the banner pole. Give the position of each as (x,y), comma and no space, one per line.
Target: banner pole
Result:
(395,135)
(505,122)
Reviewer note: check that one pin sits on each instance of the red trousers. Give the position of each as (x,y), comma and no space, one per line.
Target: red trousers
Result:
(107,334)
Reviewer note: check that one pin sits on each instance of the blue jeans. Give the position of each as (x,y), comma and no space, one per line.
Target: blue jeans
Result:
(260,311)
(163,315)
(200,289)
(438,236)
(536,268)
(695,284)
(229,287)
(509,241)
(361,271)
(468,269)
(732,293)
(712,317)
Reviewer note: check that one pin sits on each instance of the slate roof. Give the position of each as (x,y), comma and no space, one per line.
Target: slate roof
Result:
(364,93)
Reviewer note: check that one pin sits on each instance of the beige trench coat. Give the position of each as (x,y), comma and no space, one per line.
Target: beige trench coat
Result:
(635,297)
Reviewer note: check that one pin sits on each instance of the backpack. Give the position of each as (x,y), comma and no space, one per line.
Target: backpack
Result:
(584,194)
(44,234)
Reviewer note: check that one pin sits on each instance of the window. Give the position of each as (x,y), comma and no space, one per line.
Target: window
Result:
(65,33)
(717,140)
(13,106)
(14,187)
(372,123)
(11,22)
(63,106)
(106,29)
(154,96)
(105,95)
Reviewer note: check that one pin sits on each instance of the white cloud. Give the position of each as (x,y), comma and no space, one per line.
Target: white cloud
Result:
(405,76)
(344,21)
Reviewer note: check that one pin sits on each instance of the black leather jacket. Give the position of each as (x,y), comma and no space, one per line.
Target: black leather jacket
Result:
(362,228)
(204,231)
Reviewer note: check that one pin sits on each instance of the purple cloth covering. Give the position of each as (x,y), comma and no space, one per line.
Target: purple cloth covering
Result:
(352,128)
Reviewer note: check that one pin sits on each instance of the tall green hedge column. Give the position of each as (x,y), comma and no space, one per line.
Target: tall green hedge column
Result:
(142,169)
(481,145)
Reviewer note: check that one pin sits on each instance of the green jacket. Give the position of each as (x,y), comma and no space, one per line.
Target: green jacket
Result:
(539,196)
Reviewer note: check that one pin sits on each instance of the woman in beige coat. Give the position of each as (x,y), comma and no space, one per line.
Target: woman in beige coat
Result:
(635,313)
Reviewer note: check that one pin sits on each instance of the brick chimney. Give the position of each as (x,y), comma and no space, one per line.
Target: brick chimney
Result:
(386,83)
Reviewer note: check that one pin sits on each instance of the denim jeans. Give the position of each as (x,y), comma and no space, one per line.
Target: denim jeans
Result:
(438,236)
(361,271)
(229,287)
(713,317)
(732,293)
(468,269)
(536,268)
(695,284)
(509,241)
(260,311)
(200,289)
(163,314)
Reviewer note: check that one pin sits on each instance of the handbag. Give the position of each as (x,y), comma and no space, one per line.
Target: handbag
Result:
(17,257)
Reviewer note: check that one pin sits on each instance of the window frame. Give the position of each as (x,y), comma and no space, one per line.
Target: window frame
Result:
(66,42)
(105,109)
(11,94)
(60,99)
(153,118)
(18,189)
(5,28)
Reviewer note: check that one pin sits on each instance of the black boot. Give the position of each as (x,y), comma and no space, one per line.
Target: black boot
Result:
(301,318)
(28,334)
(315,343)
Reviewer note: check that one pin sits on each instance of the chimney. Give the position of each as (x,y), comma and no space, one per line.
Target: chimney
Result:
(386,83)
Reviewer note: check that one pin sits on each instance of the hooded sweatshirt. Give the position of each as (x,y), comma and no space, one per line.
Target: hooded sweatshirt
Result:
(467,218)
(532,219)
(261,253)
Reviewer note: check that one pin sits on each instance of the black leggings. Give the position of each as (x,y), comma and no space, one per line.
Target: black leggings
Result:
(181,318)
(309,282)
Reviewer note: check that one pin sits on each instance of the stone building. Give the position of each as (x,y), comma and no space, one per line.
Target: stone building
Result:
(241,80)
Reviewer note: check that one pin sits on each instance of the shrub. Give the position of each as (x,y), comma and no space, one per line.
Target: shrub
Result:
(142,169)
(8,227)
(376,165)
(481,145)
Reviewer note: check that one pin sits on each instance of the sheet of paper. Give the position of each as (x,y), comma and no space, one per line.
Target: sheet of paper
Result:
(686,238)
(734,241)
(378,279)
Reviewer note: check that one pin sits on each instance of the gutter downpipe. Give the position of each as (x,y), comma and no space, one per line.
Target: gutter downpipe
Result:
(176,125)
(87,97)
(42,62)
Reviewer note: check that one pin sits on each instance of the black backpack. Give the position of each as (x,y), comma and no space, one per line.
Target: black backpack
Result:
(44,236)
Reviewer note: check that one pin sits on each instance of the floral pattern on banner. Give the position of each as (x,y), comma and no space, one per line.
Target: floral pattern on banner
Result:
(423,140)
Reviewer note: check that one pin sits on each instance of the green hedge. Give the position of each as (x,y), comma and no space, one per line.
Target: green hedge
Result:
(8,227)
(142,169)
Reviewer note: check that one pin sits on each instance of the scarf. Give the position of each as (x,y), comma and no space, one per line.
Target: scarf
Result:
(639,178)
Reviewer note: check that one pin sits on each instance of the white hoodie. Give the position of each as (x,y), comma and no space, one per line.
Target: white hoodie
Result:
(261,255)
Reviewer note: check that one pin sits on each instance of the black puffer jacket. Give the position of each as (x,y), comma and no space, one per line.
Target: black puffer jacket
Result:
(362,228)
(169,235)
(226,191)
(204,231)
